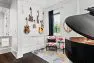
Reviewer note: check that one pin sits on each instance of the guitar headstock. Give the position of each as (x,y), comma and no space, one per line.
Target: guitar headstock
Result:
(30,8)
(26,18)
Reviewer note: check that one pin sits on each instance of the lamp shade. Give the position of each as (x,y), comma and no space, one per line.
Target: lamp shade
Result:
(82,24)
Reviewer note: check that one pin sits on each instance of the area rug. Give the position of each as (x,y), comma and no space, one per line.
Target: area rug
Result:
(51,56)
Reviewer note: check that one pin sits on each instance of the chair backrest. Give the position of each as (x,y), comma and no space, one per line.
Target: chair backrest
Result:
(51,40)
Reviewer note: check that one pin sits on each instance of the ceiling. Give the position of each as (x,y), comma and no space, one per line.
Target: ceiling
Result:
(5,3)
(46,3)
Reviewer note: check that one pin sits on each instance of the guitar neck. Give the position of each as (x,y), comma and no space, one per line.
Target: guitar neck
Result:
(26,21)
(38,13)
(30,11)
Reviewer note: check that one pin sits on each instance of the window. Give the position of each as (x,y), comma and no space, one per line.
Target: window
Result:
(56,24)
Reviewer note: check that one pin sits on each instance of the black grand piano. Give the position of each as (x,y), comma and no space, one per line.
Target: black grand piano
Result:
(80,49)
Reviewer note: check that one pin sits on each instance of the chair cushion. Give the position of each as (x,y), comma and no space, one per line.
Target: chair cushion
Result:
(51,44)
(51,37)
(51,40)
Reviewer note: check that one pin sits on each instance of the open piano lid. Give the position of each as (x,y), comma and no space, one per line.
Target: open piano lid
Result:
(83,24)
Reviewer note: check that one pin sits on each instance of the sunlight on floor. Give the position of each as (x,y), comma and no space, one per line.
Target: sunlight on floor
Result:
(53,56)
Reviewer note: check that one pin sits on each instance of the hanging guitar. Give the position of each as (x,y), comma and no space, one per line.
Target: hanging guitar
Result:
(42,23)
(38,17)
(40,30)
(26,27)
(30,15)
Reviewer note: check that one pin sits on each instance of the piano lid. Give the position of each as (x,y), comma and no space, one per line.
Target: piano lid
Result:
(83,24)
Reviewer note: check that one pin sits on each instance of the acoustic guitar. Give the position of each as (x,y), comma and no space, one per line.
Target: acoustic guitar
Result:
(41,30)
(26,27)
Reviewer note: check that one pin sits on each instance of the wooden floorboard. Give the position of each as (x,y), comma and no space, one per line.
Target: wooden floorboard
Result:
(7,58)
(27,58)
(32,58)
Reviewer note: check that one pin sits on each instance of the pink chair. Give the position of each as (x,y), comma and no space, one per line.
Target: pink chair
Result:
(51,43)
(61,42)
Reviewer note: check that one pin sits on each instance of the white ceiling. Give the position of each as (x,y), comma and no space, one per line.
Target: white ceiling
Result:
(47,3)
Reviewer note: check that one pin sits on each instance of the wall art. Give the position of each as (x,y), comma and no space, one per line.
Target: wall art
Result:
(34,22)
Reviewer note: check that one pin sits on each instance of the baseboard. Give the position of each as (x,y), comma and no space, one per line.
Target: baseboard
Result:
(14,53)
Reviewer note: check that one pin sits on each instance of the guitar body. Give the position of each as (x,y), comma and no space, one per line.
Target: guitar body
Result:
(30,18)
(41,30)
(26,29)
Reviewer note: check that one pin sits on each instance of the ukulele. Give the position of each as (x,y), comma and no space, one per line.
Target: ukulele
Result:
(30,15)
(26,27)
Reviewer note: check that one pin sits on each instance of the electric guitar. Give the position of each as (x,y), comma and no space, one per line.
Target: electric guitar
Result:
(30,15)
(38,16)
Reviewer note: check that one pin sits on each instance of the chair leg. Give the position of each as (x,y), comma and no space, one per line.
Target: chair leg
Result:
(46,48)
(56,48)
(63,50)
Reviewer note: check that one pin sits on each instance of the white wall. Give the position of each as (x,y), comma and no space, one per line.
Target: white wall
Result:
(66,8)
(33,40)
(4,21)
(50,3)
(13,27)
(1,23)
(84,4)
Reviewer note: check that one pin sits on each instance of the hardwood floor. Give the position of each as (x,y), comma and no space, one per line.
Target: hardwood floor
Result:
(6,58)
(32,58)
(27,58)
